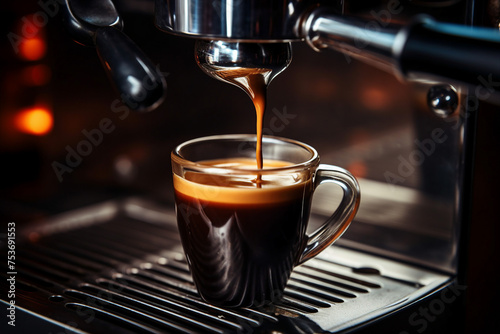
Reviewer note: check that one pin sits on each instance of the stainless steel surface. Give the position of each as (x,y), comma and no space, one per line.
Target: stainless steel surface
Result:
(390,223)
(419,50)
(381,47)
(231,58)
(119,267)
(237,20)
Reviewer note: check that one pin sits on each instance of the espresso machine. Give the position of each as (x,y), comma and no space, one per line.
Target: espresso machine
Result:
(404,94)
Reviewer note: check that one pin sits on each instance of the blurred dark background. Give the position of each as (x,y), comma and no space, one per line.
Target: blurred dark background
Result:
(54,95)
(324,99)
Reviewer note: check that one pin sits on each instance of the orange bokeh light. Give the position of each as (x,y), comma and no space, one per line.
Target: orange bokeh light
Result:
(358,169)
(32,48)
(36,121)
(36,75)
(375,99)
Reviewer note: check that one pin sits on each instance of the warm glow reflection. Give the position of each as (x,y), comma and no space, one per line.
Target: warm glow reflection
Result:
(36,121)
(375,99)
(358,168)
(32,48)
(36,75)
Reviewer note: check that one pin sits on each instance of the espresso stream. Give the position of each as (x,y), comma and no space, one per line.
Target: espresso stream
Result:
(253,82)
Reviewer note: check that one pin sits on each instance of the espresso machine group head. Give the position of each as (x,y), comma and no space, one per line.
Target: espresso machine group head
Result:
(423,49)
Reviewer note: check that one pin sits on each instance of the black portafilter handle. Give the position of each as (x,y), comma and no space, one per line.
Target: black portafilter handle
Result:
(141,85)
(424,50)
(96,23)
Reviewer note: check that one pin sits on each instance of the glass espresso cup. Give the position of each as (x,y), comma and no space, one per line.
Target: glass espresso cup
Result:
(243,229)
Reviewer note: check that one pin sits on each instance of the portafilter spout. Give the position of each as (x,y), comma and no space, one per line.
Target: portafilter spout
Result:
(231,62)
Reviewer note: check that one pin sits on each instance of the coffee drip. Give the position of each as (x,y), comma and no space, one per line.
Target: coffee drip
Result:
(249,66)
(253,82)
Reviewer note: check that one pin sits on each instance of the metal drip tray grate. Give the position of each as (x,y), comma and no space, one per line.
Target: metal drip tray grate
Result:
(119,267)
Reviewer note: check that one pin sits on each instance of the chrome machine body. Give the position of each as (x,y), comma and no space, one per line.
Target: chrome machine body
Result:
(404,94)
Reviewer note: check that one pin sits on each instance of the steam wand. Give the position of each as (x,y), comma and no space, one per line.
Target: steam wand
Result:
(423,50)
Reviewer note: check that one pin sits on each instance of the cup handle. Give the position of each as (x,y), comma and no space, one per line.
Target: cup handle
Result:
(338,223)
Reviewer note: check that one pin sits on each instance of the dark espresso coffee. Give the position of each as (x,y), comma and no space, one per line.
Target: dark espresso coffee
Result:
(242,240)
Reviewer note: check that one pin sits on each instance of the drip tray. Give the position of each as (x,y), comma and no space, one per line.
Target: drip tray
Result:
(118,267)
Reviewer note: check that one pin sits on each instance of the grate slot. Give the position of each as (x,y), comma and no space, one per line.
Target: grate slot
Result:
(82,309)
(88,254)
(166,281)
(305,298)
(102,251)
(193,300)
(38,269)
(321,286)
(47,252)
(158,286)
(151,235)
(33,279)
(173,255)
(126,312)
(171,272)
(25,286)
(163,301)
(332,278)
(350,278)
(180,265)
(310,291)
(60,266)
(289,302)
(117,246)
(151,309)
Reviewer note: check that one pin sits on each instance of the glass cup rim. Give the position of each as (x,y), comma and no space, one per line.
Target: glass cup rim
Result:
(179,159)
